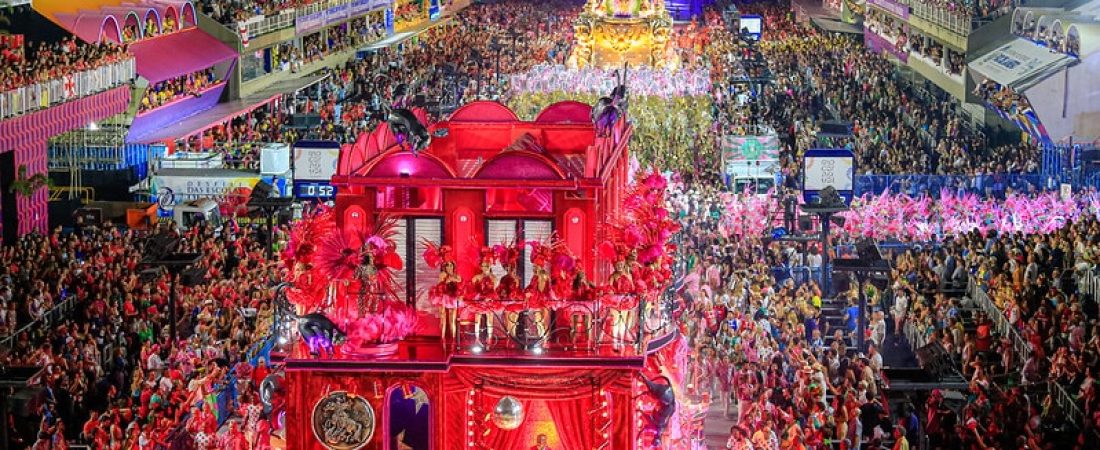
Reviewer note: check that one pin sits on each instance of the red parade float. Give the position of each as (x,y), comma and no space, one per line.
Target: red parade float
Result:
(501,287)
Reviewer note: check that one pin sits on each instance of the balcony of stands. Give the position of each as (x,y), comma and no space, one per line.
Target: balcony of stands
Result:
(65,87)
(954,20)
(261,23)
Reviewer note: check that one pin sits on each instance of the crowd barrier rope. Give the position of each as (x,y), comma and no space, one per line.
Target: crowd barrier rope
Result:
(67,87)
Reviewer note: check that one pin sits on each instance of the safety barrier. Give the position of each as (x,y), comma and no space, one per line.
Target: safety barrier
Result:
(1065,400)
(53,316)
(71,86)
(1088,283)
(260,25)
(955,18)
(995,184)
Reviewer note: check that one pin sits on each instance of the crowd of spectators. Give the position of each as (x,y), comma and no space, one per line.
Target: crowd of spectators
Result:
(1051,344)
(27,63)
(167,91)
(1002,97)
(820,78)
(974,9)
(762,349)
(112,376)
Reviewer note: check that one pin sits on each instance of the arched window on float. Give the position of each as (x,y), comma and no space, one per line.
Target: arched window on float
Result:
(408,418)
(415,196)
(520,165)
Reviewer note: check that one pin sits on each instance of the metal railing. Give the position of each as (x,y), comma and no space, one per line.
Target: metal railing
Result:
(913,185)
(53,316)
(1065,400)
(71,86)
(1000,322)
(1088,283)
(260,25)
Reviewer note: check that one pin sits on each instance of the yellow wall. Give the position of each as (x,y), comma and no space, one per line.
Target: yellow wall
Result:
(50,8)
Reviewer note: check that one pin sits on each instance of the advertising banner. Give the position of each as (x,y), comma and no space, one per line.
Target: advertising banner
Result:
(892,7)
(174,189)
(876,43)
(309,23)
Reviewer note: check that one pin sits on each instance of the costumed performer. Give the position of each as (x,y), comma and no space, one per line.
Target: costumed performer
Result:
(621,301)
(445,294)
(580,309)
(508,290)
(482,299)
(537,294)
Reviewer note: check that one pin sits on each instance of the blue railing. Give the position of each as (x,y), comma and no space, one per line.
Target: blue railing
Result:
(996,185)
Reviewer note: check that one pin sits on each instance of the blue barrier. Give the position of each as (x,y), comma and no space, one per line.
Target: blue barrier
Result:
(994,185)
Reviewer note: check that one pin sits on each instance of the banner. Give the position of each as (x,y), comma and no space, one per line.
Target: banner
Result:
(892,7)
(309,23)
(879,44)
(174,189)
(750,148)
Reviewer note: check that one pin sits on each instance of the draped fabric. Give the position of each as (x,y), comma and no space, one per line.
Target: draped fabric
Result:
(622,416)
(520,438)
(575,426)
(541,383)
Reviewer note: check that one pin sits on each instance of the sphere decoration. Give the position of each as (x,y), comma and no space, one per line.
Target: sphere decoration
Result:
(343,421)
(508,414)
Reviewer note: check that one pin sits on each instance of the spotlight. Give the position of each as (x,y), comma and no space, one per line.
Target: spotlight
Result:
(282,340)
(476,349)
(537,349)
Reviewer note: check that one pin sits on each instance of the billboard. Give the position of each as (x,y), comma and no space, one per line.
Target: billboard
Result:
(174,186)
(315,160)
(822,168)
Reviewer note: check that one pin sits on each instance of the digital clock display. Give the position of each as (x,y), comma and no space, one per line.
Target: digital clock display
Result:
(314,189)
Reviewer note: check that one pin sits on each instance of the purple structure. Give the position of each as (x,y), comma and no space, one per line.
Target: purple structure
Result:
(684,10)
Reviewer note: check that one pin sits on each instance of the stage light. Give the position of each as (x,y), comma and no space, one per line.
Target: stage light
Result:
(282,340)
(93,126)
(537,349)
(470,423)
(476,349)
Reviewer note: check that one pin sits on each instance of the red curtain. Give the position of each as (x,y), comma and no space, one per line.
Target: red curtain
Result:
(520,438)
(573,422)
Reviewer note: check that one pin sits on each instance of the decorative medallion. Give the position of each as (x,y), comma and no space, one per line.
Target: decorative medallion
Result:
(343,421)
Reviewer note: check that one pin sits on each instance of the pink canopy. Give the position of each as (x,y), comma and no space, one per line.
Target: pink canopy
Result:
(177,54)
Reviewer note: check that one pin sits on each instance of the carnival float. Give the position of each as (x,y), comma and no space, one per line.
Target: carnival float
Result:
(617,33)
(486,282)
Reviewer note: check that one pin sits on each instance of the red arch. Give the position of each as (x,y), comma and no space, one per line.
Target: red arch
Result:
(520,165)
(397,163)
(568,111)
(484,111)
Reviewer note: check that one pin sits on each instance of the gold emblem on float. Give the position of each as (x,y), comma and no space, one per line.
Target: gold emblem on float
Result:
(342,421)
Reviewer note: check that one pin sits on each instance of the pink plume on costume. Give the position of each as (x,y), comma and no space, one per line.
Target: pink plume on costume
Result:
(432,256)
(377,241)
(650,254)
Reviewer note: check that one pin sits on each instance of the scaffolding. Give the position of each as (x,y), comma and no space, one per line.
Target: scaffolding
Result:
(95,148)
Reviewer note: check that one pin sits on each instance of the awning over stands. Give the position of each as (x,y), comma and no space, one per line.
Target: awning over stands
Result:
(832,25)
(172,55)
(1019,64)
(225,112)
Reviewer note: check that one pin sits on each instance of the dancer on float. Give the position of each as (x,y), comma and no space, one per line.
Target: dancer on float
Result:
(445,295)
(482,299)
(620,301)
(581,308)
(508,290)
(538,294)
